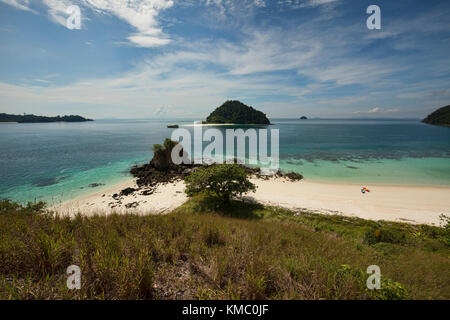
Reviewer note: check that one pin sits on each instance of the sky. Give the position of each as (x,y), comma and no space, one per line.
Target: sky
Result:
(182,59)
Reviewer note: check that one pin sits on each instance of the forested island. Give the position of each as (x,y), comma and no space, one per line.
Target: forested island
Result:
(440,117)
(235,112)
(31,118)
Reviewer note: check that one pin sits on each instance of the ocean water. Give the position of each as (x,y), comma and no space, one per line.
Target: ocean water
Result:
(58,161)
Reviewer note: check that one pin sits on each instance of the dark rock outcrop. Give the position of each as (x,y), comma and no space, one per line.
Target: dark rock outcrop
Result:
(149,176)
(293,176)
(161,169)
(127,191)
(95,185)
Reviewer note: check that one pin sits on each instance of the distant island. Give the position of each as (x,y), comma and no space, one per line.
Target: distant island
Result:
(31,118)
(235,112)
(440,117)
(303,118)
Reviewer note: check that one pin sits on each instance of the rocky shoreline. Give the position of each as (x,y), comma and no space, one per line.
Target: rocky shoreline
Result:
(148,180)
(148,176)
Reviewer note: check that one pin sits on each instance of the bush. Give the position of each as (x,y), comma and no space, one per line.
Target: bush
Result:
(445,221)
(384,234)
(223,181)
(390,290)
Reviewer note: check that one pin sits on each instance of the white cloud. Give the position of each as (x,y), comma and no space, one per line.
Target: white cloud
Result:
(267,51)
(142,15)
(231,8)
(355,72)
(42,80)
(377,110)
(146,40)
(57,10)
(316,3)
(19,4)
(406,30)
(259,3)
(165,111)
(425,94)
(374,34)
(233,3)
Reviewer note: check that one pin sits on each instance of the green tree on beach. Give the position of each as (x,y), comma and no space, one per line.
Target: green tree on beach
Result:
(223,181)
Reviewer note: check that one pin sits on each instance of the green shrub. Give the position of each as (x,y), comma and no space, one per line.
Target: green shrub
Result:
(384,234)
(390,290)
(223,181)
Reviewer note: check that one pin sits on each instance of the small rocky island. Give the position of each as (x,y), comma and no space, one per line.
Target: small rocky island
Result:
(440,117)
(31,118)
(235,112)
(303,118)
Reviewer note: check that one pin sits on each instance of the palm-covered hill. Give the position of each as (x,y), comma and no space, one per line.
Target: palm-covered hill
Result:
(233,111)
(440,117)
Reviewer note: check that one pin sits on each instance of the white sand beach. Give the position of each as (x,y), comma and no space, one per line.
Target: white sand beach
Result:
(163,200)
(412,204)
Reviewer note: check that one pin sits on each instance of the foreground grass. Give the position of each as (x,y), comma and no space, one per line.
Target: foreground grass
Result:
(206,251)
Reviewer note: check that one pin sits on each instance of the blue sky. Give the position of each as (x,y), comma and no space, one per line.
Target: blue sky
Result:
(174,59)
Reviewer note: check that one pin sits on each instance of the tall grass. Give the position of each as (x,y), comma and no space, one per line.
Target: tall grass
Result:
(206,251)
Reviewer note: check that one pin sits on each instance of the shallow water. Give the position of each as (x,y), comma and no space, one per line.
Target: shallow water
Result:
(58,161)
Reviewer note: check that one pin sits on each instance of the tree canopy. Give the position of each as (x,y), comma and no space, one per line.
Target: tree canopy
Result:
(223,181)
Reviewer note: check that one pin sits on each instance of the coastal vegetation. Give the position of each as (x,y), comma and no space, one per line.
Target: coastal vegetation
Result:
(31,118)
(233,111)
(223,181)
(440,117)
(206,249)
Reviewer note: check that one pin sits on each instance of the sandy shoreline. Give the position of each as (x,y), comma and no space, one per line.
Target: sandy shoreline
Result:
(163,200)
(412,204)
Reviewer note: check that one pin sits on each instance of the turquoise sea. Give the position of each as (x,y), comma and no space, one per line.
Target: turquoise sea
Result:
(58,161)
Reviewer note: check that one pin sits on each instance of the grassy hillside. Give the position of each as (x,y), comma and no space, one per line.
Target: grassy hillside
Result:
(241,251)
